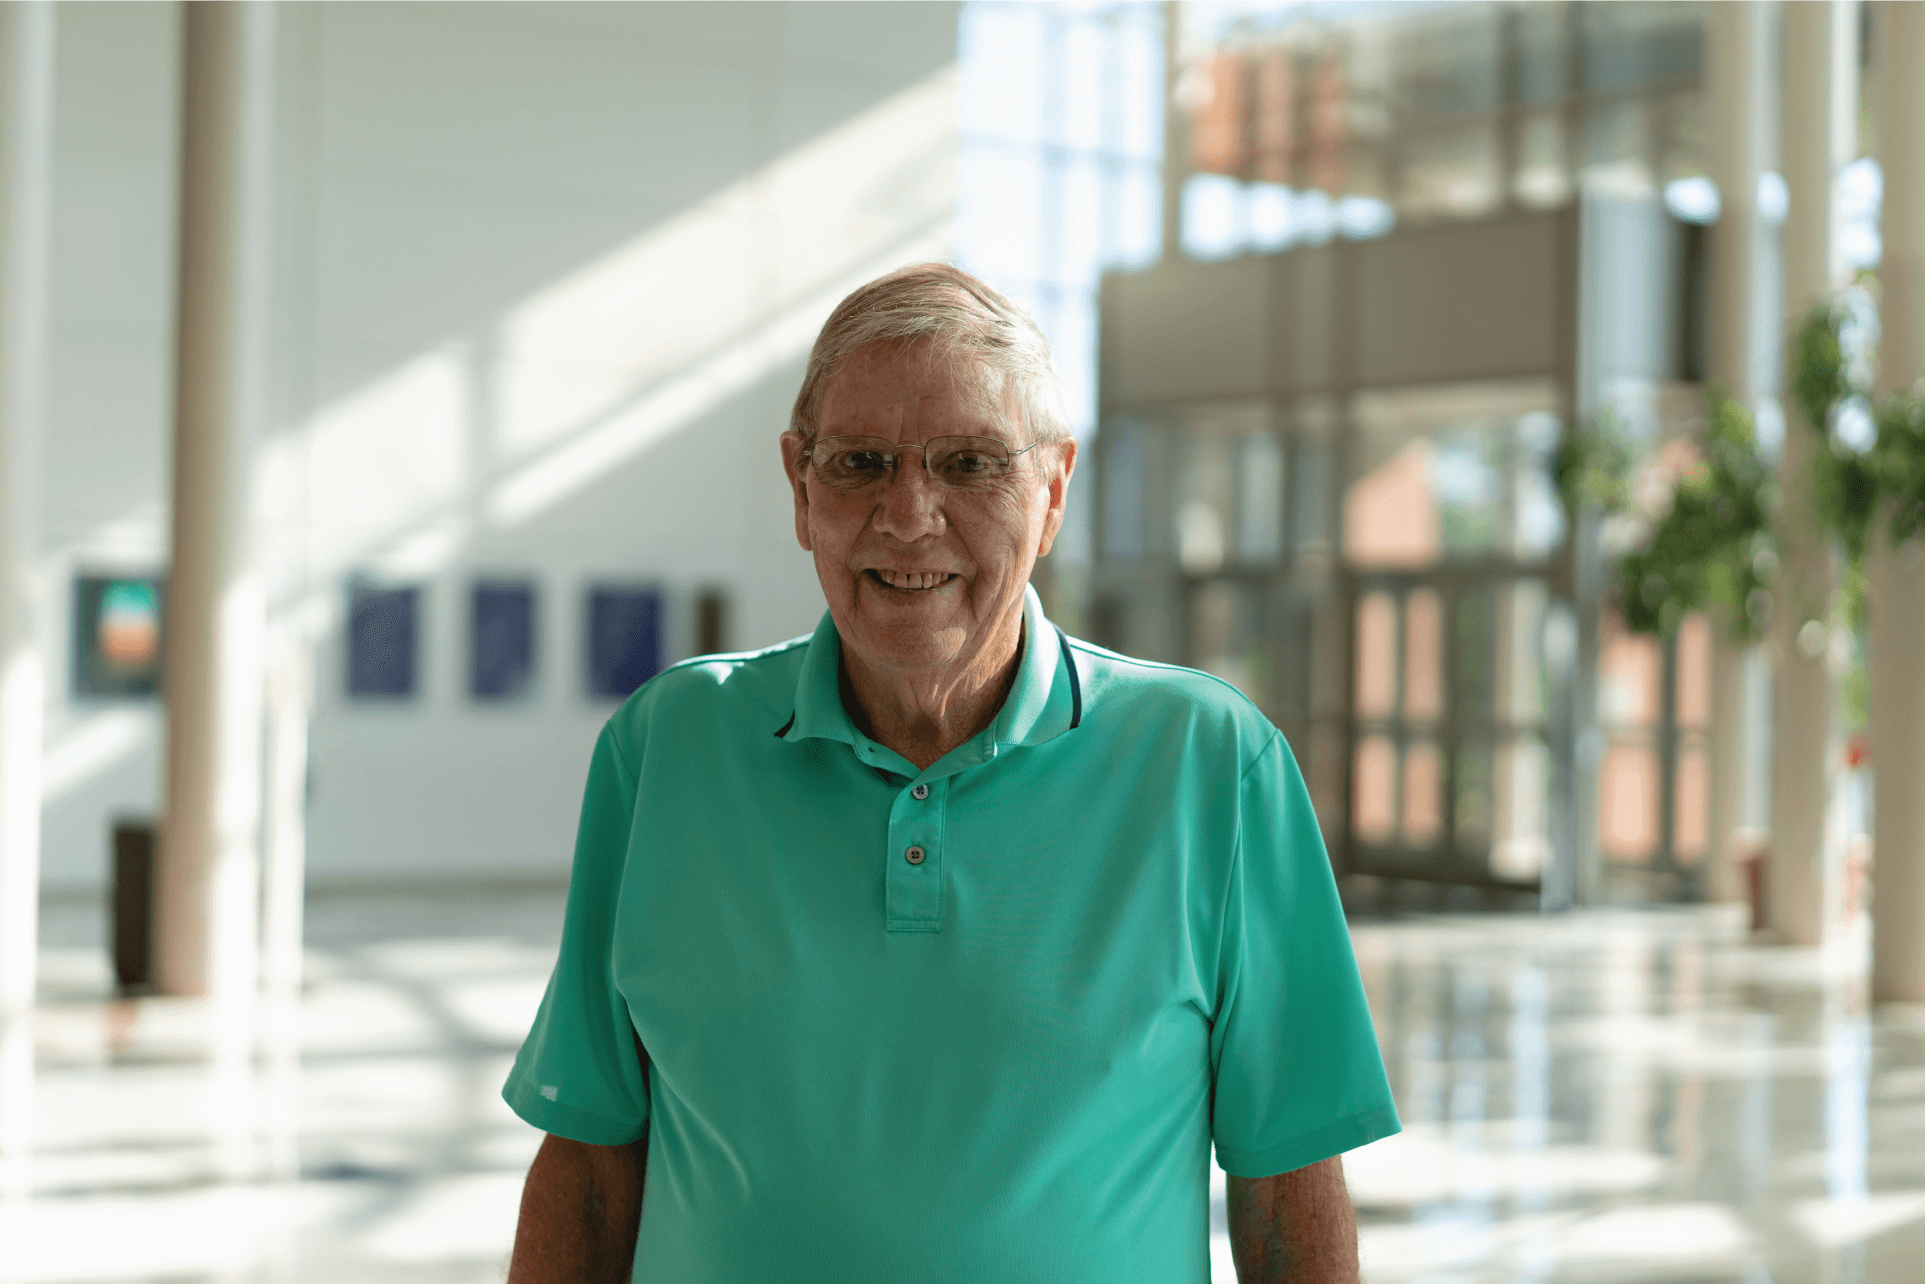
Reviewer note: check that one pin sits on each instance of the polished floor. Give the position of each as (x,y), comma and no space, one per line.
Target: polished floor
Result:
(1611,1096)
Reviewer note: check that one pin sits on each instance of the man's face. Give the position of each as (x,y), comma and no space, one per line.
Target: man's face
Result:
(920,577)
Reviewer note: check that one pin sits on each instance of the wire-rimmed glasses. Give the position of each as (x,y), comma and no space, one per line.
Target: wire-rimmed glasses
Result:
(960,463)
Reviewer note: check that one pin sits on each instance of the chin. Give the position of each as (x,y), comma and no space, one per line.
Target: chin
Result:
(898,648)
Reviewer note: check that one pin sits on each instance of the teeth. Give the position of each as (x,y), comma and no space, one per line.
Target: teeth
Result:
(913,579)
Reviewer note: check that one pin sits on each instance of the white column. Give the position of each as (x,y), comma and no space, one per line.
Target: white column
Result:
(208,882)
(1176,132)
(26,144)
(1736,42)
(1897,604)
(1818,124)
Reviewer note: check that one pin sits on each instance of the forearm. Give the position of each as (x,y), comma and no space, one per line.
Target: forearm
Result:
(1294,1228)
(580,1209)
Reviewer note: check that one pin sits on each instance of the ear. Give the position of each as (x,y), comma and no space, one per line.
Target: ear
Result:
(1058,495)
(793,466)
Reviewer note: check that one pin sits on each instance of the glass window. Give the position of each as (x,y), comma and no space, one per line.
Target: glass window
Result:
(1451,169)
(1464,479)
(1310,506)
(1227,637)
(1260,489)
(1374,652)
(1083,58)
(116,635)
(1681,150)
(1136,92)
(1202,519)
(1540,50)
(1521,799)
(501,640)
(1122,476)
(1537,515)
(1390,513)
(1219,116)
(624,640)
(1423,656)
(1543,175)
(1471,489)
(1001,69)
(1445,61)
(1637,41)
(1374,787)
(1614,147)
(382,641)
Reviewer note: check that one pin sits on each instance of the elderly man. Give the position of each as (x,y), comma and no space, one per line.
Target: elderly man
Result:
(939,946)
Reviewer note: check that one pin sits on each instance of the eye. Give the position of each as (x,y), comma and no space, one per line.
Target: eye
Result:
(970,464)
(858,461)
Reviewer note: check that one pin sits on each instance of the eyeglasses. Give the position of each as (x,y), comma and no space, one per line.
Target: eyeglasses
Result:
(960,463)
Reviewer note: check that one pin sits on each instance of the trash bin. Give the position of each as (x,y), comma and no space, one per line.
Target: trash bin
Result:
(133,905)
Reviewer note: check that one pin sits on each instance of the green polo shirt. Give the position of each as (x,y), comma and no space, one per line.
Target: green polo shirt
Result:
(976,1023)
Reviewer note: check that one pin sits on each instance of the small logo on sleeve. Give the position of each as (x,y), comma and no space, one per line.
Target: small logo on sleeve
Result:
(549,1091)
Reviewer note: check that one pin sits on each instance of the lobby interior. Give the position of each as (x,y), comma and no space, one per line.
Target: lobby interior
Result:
(1399,340)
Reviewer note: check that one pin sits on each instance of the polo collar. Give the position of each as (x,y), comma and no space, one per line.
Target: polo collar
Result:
(1045,701)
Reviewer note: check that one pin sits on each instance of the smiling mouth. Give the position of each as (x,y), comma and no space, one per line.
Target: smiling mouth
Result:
(910,581)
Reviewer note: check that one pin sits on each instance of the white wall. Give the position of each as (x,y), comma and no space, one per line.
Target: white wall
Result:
(544,278)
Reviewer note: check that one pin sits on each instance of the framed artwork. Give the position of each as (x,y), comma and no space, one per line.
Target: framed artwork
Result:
(383,641)
(117,635)
(502,621)
(624,639)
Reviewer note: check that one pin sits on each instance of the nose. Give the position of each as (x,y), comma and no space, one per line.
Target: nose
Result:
(910,507)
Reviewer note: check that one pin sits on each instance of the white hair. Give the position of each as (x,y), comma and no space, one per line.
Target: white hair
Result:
(962,315)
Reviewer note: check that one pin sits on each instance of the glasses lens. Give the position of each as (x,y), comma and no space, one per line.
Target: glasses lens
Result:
(848,462)
(968,463)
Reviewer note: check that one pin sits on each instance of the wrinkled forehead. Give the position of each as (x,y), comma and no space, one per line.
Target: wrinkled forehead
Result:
(900,390)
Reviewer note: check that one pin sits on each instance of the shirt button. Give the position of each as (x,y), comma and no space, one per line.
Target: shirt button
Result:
(914,855)
(919,793)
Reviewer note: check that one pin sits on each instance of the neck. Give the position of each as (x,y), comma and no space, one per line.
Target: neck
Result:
(923,715)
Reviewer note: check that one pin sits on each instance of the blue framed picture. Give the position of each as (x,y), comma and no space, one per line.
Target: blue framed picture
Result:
(624,640)
(383,637)
(117,635)
(502,622)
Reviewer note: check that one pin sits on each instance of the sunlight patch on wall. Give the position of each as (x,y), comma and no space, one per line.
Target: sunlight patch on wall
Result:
(568,468)
(661,306)
(369,466)
(84,751)
(607,362)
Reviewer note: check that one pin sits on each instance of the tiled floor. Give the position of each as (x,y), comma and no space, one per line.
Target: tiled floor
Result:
(1615,1096)
(1639,1096)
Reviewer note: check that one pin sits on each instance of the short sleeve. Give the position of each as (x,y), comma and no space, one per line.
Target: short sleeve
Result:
(580,1072)
(1298,1075)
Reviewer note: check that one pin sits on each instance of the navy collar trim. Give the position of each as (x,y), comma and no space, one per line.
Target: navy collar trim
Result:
(1069,668)
(1075,683)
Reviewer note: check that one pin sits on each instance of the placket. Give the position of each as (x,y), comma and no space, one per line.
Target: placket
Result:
(913,882)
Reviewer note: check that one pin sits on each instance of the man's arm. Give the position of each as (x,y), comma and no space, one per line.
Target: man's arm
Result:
(1294,1228)
(579,1212)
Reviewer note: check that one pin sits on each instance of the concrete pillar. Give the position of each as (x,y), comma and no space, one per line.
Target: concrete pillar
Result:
(1723,880)
(1897,596)
(208,880)
(26,145)
(1818,137)
(1736,43)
